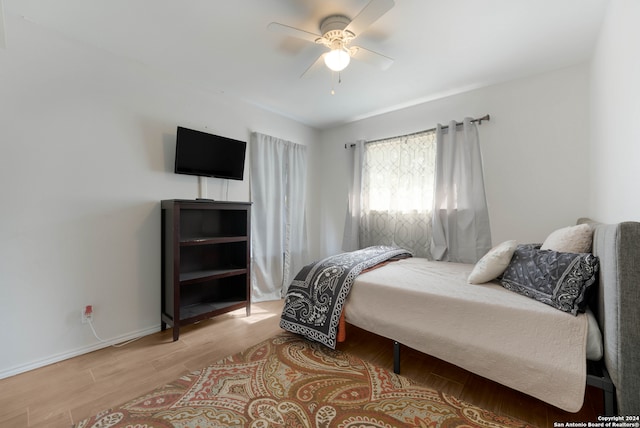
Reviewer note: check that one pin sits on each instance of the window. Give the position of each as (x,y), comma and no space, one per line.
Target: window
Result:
(397,192)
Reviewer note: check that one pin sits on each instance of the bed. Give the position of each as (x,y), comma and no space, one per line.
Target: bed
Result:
(494,332)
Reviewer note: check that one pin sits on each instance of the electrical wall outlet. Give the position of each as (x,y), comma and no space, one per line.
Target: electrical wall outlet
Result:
(87,314)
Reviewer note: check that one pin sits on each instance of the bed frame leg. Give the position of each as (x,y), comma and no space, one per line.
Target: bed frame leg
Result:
(396,357)
(598,376)
(609,403)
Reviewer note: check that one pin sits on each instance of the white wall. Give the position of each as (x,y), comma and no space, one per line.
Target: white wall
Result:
(535,151)
(87,143)
(615,104)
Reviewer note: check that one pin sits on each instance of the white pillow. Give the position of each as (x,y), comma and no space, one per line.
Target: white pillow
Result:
(594,338)
(572,239)
(492,264)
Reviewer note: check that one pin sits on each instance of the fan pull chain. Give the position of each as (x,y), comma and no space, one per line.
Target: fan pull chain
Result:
(333,92)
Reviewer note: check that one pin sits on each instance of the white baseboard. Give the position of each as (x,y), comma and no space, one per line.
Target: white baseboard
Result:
(80,351)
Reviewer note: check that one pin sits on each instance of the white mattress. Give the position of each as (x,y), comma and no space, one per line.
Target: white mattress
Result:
(486,329)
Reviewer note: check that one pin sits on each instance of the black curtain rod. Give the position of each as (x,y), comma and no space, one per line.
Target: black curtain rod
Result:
(478,120)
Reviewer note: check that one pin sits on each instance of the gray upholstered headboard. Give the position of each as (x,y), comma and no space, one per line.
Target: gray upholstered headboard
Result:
(618,307)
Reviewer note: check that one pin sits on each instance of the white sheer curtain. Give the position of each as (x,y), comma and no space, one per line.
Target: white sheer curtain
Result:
(461,229)
(278,220)
(397,193)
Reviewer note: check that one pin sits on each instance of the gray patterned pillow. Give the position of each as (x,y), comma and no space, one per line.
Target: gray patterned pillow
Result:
(561,280)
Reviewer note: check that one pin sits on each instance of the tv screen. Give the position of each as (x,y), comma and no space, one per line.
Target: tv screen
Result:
(208,155)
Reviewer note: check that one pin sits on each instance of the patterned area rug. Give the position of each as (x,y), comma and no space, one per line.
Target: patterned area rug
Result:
(287,381)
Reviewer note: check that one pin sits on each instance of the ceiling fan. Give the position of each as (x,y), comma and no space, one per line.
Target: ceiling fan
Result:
(337,33)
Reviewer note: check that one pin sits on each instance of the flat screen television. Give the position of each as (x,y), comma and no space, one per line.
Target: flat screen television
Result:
(208,155)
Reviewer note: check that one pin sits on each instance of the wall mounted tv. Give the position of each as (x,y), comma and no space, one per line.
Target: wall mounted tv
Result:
(208,155)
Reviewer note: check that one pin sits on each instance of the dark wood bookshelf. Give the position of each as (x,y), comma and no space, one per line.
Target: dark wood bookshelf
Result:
(205,260)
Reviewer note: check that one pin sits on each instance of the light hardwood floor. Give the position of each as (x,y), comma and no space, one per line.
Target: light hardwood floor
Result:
(64,393)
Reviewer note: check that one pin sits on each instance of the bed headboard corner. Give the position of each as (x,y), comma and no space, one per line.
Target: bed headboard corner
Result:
(618,306)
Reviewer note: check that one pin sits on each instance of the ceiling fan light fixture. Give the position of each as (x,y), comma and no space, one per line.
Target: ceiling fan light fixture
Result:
(337,59)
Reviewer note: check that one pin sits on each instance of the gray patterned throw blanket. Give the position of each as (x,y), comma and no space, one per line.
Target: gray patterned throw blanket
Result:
(315,298)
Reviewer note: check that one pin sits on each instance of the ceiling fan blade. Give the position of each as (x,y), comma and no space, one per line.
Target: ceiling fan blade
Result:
(316,64)
(293,32)
(373,58)
(367,16)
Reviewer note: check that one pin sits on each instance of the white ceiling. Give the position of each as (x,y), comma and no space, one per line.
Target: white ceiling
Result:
(440,47)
